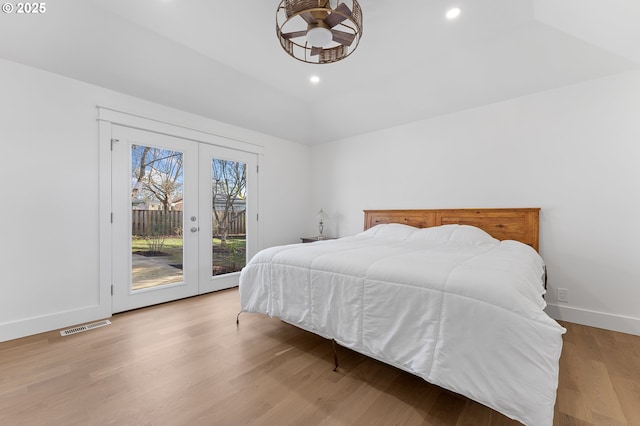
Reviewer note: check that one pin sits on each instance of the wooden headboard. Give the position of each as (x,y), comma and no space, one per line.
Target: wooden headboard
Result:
(503,224)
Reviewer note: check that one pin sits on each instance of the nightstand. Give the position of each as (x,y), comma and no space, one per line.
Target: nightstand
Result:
(314,239)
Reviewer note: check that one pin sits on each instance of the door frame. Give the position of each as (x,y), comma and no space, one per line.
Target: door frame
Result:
(107,117)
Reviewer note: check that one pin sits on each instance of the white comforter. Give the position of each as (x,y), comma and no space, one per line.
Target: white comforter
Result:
(450,304)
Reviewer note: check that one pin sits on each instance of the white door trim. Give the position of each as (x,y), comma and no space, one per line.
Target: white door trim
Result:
(137,121)
(107,117)
(105,209)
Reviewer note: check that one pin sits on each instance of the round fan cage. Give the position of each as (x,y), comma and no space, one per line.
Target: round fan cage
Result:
(296,18)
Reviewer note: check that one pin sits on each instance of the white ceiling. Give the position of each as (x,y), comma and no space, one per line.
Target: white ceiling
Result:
(222,59)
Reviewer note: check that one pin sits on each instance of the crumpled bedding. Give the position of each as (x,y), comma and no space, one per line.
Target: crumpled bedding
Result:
(450,304)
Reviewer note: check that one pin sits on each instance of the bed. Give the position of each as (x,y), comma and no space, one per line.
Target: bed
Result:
(454,296)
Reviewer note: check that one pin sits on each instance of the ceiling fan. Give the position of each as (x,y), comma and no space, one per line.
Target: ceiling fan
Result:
(319,31)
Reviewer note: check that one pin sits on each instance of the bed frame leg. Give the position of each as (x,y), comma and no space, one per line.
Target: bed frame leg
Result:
(335,355)
(238,318)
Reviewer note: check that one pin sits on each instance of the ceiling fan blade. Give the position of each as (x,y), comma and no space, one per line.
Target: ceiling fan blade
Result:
(315,51)
(307,16)
(343,38)
(294,34)
(335,18)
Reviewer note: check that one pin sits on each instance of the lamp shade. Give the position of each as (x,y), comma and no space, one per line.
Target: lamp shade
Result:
(321,216)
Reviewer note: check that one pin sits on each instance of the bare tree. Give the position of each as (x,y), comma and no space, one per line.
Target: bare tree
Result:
(139,167)
(156,174)
(229,184)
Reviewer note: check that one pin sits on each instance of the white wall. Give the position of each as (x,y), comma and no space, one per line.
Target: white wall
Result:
(49,256)
(574,152)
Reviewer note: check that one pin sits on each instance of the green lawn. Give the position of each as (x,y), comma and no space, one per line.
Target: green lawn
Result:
(172,246)
(233,256)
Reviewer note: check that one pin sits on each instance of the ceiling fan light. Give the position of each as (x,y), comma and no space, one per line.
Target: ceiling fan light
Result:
(319,37)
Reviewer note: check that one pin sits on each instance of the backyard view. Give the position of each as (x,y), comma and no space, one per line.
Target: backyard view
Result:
(157,216)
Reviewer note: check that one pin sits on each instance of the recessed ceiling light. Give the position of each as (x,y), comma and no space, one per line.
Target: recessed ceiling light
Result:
(453,13)
(314,79)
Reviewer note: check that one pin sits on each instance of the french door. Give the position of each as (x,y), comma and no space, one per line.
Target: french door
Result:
(184,217)
(228,233)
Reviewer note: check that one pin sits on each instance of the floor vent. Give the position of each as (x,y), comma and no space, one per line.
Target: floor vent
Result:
(85,327)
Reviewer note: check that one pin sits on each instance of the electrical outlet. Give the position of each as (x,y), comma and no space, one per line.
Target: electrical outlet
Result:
(562,295)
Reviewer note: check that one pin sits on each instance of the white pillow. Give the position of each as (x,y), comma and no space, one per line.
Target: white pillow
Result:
(461,234)
(440,234)
(471,235)
(390,231)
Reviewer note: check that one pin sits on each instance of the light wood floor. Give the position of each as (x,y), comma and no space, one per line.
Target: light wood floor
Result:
(186,363)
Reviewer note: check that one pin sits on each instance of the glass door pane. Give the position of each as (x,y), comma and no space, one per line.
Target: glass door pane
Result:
(228,216)
(156,216)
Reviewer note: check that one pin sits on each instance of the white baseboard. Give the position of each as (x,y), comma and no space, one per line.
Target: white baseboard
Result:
(621,323)
(36,325)
(31,326)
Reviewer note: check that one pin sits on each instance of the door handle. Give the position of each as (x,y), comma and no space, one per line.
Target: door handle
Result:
(194,229)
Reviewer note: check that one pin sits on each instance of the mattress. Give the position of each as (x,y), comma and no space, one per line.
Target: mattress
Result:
(450,304)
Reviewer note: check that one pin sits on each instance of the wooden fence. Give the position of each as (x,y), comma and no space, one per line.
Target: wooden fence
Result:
(169,223)
(237,224)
